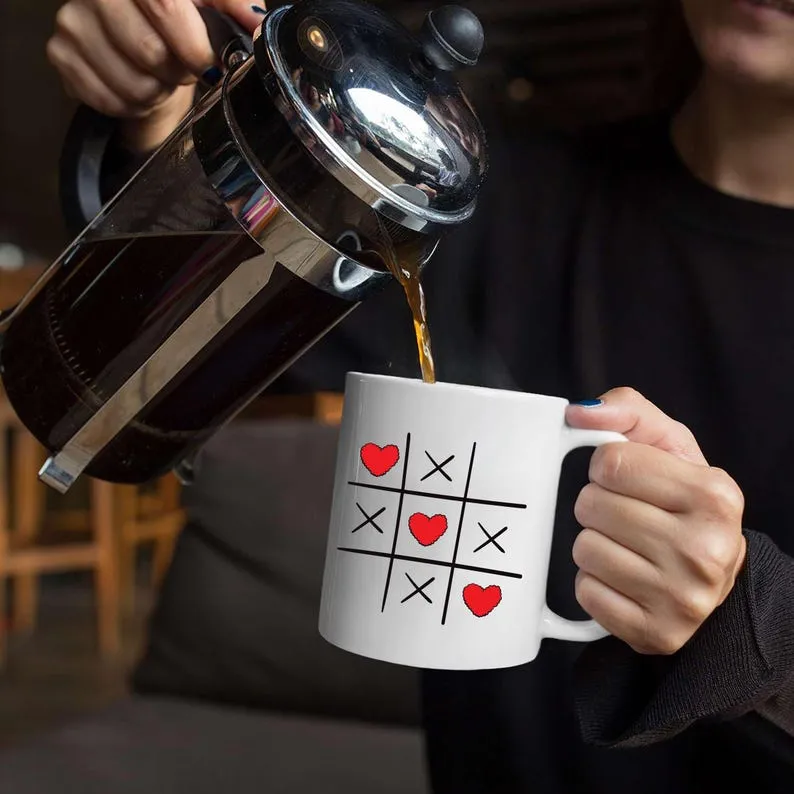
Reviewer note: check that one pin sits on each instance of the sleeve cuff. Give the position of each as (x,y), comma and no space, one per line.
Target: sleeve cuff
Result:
(625,699)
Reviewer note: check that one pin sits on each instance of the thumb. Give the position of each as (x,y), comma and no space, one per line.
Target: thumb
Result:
(246,14)
(626,411)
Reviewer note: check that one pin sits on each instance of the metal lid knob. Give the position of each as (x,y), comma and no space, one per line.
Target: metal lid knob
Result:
(452,37)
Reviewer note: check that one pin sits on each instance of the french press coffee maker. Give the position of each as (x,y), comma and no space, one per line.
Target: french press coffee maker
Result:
(335,140)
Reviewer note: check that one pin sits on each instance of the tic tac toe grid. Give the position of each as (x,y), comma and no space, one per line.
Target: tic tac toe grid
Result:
(464,499)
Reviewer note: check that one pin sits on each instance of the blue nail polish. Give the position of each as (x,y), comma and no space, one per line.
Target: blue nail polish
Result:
(212,75)
(589,403)
(258,10)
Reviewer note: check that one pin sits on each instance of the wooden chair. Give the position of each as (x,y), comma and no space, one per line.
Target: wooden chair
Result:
(118,519)
(134,516)
(28,549)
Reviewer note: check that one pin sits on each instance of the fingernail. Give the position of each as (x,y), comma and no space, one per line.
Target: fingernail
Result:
(212,75)
(589,403)
(258,10)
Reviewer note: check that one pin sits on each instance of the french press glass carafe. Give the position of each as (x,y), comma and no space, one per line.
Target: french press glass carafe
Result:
(261,222)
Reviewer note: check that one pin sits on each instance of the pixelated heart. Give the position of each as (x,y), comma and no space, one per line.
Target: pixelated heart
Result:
(379,460)
(425,529)
(482,600)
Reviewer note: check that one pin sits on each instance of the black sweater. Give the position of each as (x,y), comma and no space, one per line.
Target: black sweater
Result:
(590,264)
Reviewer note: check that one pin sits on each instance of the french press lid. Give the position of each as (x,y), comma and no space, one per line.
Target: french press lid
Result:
(379,107)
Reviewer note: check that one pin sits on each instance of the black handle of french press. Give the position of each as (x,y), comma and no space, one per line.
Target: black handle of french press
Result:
(452,37)
(90,133)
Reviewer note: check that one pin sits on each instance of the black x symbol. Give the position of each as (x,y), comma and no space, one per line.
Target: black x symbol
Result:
(491,538)
(438,467)
(419,589)
(369,519)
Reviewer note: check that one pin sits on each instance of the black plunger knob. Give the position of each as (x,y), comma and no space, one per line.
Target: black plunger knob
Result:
(452,37)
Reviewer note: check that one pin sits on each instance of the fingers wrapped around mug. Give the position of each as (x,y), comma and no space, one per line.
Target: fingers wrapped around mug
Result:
(661,547)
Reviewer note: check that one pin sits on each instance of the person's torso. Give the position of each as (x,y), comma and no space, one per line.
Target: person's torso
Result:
(584,274)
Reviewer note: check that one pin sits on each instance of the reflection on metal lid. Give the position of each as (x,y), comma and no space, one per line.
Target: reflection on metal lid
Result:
(358,80)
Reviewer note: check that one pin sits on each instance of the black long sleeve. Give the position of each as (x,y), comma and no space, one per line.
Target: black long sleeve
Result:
(741,661)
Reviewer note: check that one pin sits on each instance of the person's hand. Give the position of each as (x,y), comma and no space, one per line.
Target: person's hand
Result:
(662,542)
(137,60)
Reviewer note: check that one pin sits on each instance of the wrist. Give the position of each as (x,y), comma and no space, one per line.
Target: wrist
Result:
(742,558)
(738,568)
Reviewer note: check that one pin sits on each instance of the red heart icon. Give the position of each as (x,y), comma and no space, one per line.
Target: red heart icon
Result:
(482,600)
(425,529)
(379,460)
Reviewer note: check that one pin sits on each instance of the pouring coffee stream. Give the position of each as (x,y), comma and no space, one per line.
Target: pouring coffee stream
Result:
(408,276)
(337,147)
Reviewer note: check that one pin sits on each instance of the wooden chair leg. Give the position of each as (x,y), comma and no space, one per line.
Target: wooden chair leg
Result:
(127,561)
(4,515)
(127,552)
(170,492)
(103,524)
(3,609)
(161,560)
(28,510)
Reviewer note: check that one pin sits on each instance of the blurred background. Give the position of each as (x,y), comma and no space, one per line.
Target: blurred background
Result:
(80,575)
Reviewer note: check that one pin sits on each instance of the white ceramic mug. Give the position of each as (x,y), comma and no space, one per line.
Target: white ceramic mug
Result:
(441,526)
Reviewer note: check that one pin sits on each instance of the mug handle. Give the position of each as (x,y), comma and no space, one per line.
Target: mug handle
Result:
(552,625)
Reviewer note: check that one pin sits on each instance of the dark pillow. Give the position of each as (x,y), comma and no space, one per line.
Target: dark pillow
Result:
(236,619)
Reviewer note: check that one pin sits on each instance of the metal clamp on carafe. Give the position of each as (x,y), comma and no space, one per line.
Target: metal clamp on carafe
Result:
(334,140)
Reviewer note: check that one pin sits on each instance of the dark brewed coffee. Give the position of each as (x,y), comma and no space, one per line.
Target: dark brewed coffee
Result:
(409,279)
(112,303)
(406,271)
